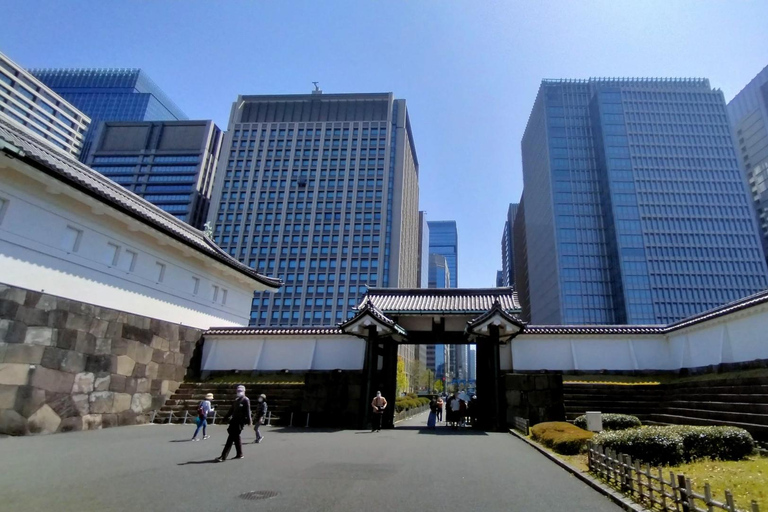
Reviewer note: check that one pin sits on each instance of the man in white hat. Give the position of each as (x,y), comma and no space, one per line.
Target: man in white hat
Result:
(239,416)
(203,410)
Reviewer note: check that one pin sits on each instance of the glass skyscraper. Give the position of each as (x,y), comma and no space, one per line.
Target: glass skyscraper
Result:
(507,249)
(321,190)
(110,95)
(635,208)
(444,240)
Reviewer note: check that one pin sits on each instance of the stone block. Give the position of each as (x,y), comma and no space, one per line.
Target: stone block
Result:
(31,316)
(108,315)
(8,308)
(45,336)
(66,339)
(115,330)
(542,382)
(16,332)
(14,374)
(78,322)
(5,324)
(54,381)
(12,423)
(101,402)
(137,334)
(108,420)
(71,424)
(131,385)
(57,319)
(63,405)
(143,354)
(181,372)
(140,370)
(23,353)
(99,328)
(31,298)
(117,383)
(142,385)
(44,421)
(82,309)
(46,303)
(64,360)
(86,342)
(102,382)
(53,358)
(29,399)
(126,418)
(158,401)
(14,294)
(156,342)
(177,359)
(174,345)
(141,402)
(8,396)
(92,422)
(125,365)
(122,402)
(103,346)
(82,404)
(192,334)
(152,370)
(125,347)
(83,383)
(98,364)
(158,356)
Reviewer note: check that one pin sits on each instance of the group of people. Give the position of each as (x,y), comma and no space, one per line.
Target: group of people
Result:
(238,417)
(460,410)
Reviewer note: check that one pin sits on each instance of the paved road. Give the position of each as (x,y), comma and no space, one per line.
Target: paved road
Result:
(153,467)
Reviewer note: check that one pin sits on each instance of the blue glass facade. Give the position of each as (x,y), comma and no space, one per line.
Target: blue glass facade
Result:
(635,208)
(110,95)
(444,240)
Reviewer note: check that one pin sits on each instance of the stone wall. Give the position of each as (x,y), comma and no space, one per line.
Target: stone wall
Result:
(67,365)
(537,398)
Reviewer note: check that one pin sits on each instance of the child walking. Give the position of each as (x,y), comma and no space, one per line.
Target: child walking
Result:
(202,416)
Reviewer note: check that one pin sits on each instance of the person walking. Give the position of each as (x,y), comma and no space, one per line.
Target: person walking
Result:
(239,416)
(432,418)
(455,406)
(440,406)
(261,416)
(203,410)
(379,403)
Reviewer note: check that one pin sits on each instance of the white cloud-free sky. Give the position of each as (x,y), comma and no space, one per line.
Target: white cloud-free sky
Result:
(468,69)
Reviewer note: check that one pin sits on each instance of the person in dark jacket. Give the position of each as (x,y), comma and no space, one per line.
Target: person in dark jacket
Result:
(261,416)
(239,416)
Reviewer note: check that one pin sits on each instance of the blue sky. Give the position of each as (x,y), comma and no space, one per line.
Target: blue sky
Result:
(468,69)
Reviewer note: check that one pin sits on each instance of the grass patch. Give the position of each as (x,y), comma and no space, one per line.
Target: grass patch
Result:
(278,378)
(746,479)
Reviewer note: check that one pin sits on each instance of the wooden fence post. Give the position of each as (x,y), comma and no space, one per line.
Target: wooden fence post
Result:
(708,498)
(755,508)
(628,462)
(683,493)
(661,490)
(729,501)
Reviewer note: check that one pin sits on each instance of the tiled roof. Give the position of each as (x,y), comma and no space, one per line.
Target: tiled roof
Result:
(731,307)
(282,331)
(593,329)
(495,310)
(369,308)
(443,300)
(63,167)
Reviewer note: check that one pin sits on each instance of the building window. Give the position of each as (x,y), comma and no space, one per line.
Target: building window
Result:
(72,237)
(3,208)
(196,285)
(129,263)
(113,254)
(160,272)
(223,297)
(215,293)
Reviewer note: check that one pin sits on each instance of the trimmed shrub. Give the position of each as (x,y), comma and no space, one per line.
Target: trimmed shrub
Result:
(612,421)
(561,436)
(672,445)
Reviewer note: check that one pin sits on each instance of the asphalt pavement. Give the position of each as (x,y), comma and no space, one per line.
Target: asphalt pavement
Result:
(156,468)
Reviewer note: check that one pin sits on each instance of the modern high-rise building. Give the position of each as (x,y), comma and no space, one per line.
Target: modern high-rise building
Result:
(444,240)
(423,275)
(472,370)
(748,113)
(635,208)
(507,248)
(110,95)
(322,190)
(28,103)
(439,273)
(169,163)
(521,262)
(499,278)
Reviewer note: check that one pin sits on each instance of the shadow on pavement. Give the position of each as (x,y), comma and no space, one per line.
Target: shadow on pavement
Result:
(209,461)
(445,431)
(303,430)
(180,441)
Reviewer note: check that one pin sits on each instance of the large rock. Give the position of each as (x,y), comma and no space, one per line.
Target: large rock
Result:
(8,396)
(152,370)
(125,365)
(40,336)
(102,382)
(73,424)
(143,385)
(102,402)
(124,347)
(29,399)
(65,360)
(44,421)
(92,422)
(82,404)
(122,402)
(108,420)
(12,423)
(13,374)
(144,354)
(83,383)
(23,353)
(141,402)
(54,381)
(79,322)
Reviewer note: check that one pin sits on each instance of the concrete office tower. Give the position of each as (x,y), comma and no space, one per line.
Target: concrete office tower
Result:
(748,113)
(322,190)
(423,275)
(635,208)
(110,95)
(28,103)
(169,163)
(521,262)
(507,248)
(444,240)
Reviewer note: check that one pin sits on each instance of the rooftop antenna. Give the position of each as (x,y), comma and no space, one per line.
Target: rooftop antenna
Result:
(317,88)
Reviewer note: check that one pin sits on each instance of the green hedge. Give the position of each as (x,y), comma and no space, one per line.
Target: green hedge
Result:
(561,436)
(612,421)
(404,403)
(672,445)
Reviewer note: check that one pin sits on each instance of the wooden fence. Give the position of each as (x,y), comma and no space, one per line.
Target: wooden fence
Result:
(649,487)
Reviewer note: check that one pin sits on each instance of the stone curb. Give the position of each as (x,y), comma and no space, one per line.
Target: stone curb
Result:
(610,493)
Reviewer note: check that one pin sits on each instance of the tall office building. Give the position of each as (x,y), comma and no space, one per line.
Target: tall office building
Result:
(110,95)
(499,278)
(521,262)
(444,240)
(748,113)
(28,103)
(423,275)
(169,163)
(472,371)
(321,190)
(507,248)
(635,208)
(439,273)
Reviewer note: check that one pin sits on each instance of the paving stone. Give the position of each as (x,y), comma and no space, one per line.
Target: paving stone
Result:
(52,380)
(23,353)
(12,423)
(83,382)
(40,336)
(101,402)
(14,374)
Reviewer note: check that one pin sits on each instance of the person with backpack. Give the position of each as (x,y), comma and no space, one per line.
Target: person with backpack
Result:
(203,410)
(261,416)
(239,416)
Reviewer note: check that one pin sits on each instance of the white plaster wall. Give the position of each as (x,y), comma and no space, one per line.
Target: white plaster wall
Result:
(36,252)
(270,353)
